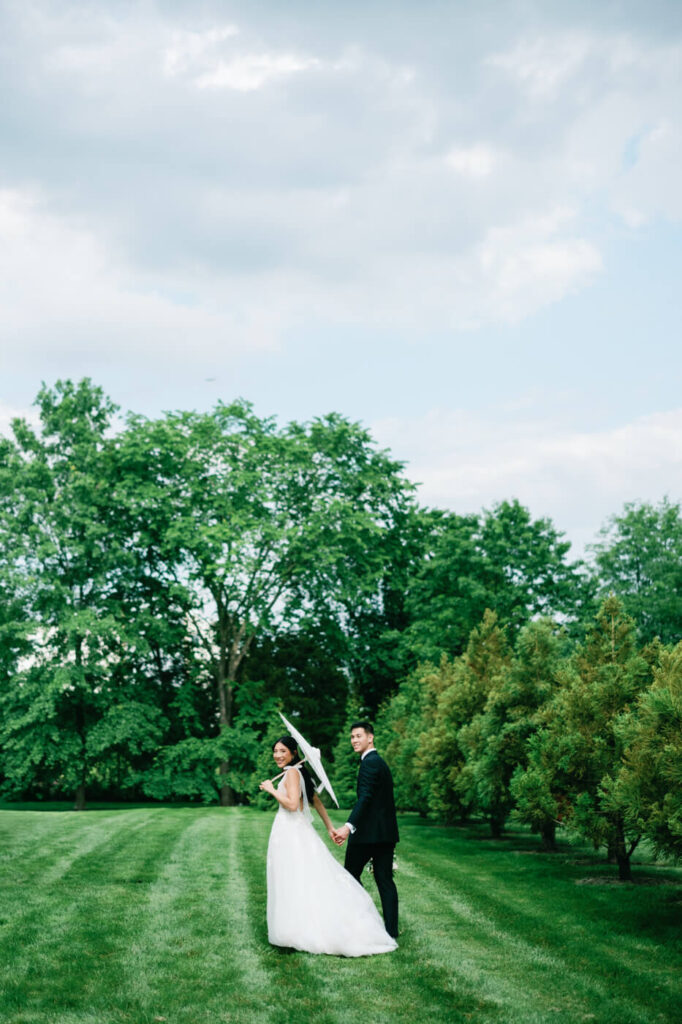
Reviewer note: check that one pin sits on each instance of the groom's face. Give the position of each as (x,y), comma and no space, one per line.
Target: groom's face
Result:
(360,740)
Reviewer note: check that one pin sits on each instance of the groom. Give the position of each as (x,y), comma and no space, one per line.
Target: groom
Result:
(372,824)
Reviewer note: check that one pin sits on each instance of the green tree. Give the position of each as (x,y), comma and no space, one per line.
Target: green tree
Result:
(527,568)
(258,525)
(503,560)
(379,655)
(576,758)
(398,729)
(447,593)
(639,558)
(649,786)
(495,741)
(454,694)
(62,714)
(303,670)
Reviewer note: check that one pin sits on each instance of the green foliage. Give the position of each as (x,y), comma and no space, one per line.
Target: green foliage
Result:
(398,728)
(576,760)
(257,526)
(503,561)
(639,558)
(649,785)
(165,588)
(495,741)
(302,671)
(58,529)
(380,653)
(454,694)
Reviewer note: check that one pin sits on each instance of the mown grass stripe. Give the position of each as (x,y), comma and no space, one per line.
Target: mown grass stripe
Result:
(178,964)
(389,983)
(512,968)
(159,913)
(70,943)
(478,947)
(590,911)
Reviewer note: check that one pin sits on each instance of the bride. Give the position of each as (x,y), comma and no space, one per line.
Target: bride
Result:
(314,904)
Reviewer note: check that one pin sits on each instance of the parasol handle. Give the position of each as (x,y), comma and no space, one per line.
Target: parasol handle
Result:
(288,766)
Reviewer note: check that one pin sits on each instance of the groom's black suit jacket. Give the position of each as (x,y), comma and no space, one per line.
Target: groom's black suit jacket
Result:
(374,813)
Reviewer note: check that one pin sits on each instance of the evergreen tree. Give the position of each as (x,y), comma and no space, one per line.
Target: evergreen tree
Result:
(454,694)
(495,741)
(575,760)
(649,786)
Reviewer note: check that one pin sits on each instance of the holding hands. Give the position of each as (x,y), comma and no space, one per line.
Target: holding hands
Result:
(339,835)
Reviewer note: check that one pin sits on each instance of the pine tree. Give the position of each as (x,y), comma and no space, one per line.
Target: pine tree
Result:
(454,694)
(575,760)
(650,783)
(497,738)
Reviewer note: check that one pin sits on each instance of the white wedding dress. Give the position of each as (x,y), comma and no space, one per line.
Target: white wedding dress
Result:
(314,904)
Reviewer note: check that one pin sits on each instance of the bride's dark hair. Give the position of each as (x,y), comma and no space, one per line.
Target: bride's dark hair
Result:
(290,743)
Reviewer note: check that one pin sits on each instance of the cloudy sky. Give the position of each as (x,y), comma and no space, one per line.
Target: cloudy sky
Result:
(458,223)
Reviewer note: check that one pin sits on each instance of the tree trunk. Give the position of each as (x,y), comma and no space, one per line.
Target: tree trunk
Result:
(234,644)
(497,825)
(79,804)
(548,835)
(622,855)
(228,797)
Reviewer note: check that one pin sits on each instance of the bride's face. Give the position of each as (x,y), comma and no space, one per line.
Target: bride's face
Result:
(282,755)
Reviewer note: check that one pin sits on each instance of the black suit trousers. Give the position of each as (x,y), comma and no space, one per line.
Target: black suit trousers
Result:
(381,855)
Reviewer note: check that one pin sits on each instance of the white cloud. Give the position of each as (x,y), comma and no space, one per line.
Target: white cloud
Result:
(186,49)
(472,161)
(59,285)
(467,461)
(8,413)
(529,265)
(252,71)
(544,64)
(203,58)
(183,185)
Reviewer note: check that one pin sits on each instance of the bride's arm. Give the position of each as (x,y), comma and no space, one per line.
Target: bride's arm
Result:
(290,794)
(322,811)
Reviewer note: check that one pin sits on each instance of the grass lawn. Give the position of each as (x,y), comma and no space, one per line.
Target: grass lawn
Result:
(152,914)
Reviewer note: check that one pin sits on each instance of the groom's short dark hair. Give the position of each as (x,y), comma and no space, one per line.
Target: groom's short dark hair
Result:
(367,726)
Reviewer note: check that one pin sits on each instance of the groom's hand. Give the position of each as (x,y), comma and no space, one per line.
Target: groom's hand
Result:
(341,834)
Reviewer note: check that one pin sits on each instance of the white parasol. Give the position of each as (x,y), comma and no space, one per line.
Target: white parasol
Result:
(312,756)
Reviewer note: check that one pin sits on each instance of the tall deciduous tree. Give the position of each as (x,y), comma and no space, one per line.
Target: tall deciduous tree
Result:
(504,560)
(257,525)
(63,714)
(639,558)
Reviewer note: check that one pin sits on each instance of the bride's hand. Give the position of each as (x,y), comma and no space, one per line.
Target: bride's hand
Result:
(267,786)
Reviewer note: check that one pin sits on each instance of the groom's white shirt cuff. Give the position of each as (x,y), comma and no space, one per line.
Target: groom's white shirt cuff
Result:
(362,758)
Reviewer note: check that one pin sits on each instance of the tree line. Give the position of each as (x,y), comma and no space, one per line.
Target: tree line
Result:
(166,584)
